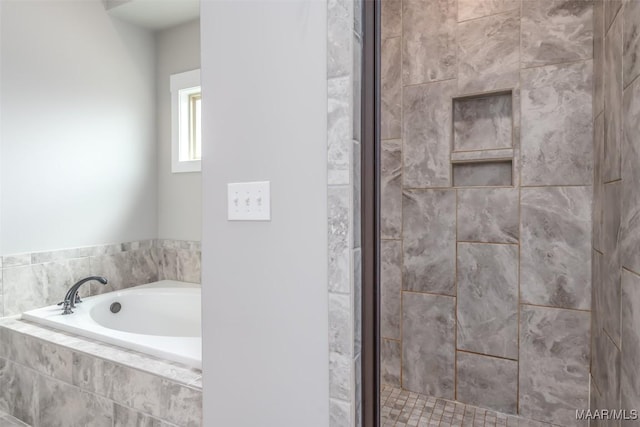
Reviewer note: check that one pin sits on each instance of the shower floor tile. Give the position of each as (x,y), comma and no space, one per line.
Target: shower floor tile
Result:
(401,408)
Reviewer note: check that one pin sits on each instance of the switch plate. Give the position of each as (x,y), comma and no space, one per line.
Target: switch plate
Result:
(249,201)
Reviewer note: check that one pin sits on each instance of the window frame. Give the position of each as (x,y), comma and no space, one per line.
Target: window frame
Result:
(183,86)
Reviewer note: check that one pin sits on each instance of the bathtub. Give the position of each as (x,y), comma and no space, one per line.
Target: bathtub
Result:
(161,319)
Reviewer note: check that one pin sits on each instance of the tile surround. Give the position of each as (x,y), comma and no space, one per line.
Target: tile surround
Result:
(554,364)
(522,229)
(426,118)
(557,125)
(487,306)
(489,52)
(488,382)
(429,41)
(34,280)
(428,353)
(109,385)
(555,31)
(429,241)
(616,206)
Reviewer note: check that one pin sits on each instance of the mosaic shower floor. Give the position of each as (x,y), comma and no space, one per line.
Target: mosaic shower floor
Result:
(401,408)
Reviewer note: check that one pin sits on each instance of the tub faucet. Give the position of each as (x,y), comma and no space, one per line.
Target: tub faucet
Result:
(72,298)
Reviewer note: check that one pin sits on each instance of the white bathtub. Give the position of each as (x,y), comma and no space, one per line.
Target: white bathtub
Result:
(161,319)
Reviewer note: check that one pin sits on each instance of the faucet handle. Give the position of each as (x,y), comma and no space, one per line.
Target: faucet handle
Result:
(66,309)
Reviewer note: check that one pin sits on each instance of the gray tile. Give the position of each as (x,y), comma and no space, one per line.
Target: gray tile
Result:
(612,206)
(42,356)
(16,260)
(125,417)
(356,87)
(555,252)
(429,244)
(35,286)
(631,40)
(339,375)
(340,327)
(489,53)
(611,8)
(339,239)
(181,405)
(429,41)
(613,102)
(487,382)
(339,129)
(339,37)
(135,389)
(357,301)
(488,215)
(554,364)
(63,405)
(488,299)
(391,190)
(482,123)
(391,89)
(598,57)
(630,385)
(598,156)
(390,361)
(19,391)
(556,31)
(557,125)
(124,270)
(391,18)
(9,421)
(427,134)
(179,264)
(470,9)
(483,174)
(339,413)
(391,287)
(356,199)
(605,368)
(428,353)
(630,222)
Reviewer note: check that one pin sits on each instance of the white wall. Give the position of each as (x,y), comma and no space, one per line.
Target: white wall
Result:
(265,283)
(179,194)
(78,128)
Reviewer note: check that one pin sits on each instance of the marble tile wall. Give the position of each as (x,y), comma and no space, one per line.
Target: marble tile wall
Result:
(615,343)
(486,267)
(344,55)
(51,379)
(33,280)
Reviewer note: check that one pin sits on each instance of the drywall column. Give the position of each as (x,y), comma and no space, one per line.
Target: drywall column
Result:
(265,301)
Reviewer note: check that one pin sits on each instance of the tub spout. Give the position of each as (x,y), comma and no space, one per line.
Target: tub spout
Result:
(72,297)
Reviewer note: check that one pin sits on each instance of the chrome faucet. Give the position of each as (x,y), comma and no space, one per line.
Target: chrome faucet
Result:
(72,298)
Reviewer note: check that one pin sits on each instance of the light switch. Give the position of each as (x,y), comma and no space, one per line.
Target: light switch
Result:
(249,201)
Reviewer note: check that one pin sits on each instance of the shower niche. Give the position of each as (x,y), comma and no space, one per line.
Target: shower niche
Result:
(482,140)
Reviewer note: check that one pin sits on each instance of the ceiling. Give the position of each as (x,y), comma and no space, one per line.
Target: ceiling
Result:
(154,14)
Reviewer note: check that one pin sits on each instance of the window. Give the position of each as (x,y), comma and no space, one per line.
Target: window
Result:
(186,124)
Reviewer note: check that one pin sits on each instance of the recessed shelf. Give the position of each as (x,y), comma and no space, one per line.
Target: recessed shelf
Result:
(485,155)
(483,174)
(483,122)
